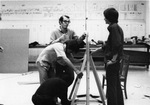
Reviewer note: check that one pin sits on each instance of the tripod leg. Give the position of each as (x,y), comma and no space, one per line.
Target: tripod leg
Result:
(75,91)
(77,83)
(88,80)
(73,88)
(97,81)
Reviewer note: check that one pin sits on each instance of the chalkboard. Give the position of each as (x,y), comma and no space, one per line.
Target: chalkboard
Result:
(76,9)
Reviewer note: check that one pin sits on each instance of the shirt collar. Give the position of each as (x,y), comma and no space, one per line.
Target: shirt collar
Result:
(61,30)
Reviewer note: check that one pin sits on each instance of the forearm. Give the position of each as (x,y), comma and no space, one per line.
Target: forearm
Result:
(70,65)
(55,41)
(54,37)
(114,58)
(67,62)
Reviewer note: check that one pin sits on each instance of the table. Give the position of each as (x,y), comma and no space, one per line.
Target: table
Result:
(136,57)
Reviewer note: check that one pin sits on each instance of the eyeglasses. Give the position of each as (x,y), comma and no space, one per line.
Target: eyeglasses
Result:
(65,21)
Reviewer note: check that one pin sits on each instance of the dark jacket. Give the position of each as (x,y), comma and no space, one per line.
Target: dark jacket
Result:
(114,43)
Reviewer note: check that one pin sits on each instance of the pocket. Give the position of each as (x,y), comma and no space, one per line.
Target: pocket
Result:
(46,65)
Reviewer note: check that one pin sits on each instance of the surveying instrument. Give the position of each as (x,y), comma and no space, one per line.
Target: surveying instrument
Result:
(88,61)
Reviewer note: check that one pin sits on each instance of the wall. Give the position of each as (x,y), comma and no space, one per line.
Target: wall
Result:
(41,17)
(147,18)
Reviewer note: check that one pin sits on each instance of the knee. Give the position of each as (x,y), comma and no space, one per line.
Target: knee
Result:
(35,100)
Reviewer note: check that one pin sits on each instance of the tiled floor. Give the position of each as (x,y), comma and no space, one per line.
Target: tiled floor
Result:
(17,89)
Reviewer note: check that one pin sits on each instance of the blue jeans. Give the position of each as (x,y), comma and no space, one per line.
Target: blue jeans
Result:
(47,70)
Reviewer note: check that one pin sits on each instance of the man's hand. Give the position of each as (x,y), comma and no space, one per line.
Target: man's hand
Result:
(80,75)
(83,36)
(109,62)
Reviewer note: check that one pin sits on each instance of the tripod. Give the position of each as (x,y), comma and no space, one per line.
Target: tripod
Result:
(88,60)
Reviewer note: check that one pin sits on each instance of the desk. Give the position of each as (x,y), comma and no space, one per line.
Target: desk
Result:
(139,54)
(136,57)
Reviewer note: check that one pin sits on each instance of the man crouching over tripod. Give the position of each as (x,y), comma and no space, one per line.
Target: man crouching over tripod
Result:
(53,60)
(56,71)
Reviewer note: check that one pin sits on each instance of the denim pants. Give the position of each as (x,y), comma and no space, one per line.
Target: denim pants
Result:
(47,70)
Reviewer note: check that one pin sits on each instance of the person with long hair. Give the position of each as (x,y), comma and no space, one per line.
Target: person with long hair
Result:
(113,50)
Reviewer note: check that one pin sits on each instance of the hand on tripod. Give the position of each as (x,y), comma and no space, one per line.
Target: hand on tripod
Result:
(79,75)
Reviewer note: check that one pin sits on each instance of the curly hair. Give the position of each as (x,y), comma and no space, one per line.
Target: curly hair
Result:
(73,45)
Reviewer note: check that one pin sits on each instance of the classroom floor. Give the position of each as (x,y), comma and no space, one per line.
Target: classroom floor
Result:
(17,89)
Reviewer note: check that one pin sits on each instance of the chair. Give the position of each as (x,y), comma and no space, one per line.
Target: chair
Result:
(123,73)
